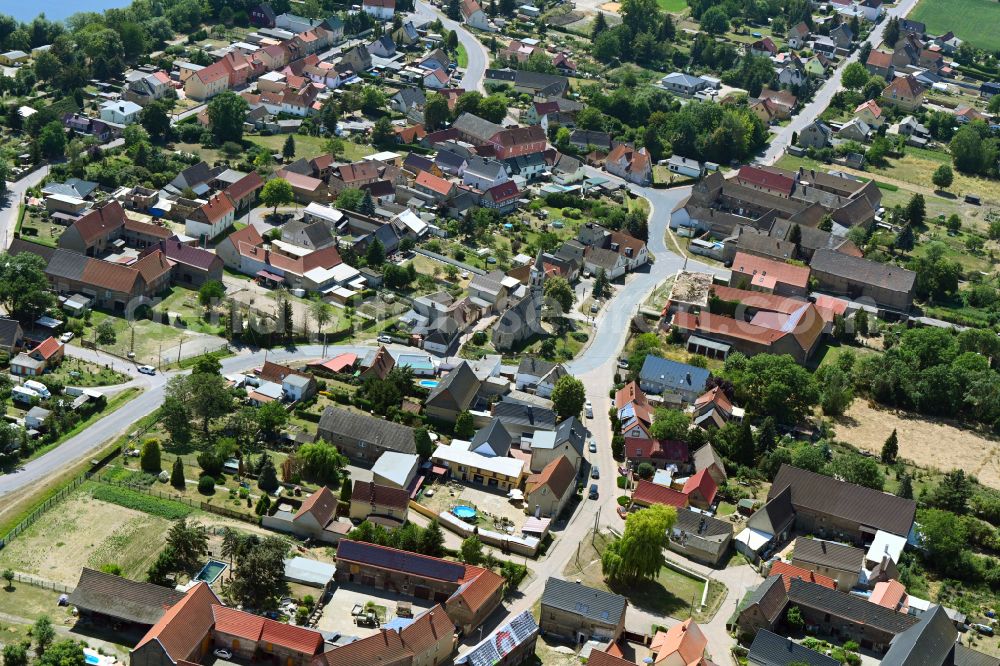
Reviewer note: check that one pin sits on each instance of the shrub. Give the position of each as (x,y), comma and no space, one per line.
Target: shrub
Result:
(206,485)
(622,482)
(624,500)
(149,459)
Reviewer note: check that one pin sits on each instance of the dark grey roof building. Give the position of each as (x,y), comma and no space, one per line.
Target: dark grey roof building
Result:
(122,599)
(930,642)
(364,437)
(573,610)
(856,277)
(825,506)
(520,417)
(770,649)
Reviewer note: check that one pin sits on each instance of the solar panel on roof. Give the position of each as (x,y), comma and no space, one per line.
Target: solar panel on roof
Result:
(387,558)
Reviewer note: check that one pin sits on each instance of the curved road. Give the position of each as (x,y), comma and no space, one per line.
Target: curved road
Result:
(479,57)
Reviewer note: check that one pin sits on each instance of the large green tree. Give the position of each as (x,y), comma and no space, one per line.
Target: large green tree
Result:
(226,113)
(321,462)
(24,289)
(773,385)
(277,192)
(568,397)
(638,554)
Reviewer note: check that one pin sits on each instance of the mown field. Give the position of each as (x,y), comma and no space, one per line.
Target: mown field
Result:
(975,21)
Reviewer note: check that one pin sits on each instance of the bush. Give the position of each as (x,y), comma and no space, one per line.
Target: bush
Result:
(206,485)
(622,482)
(624,500)
(149,459)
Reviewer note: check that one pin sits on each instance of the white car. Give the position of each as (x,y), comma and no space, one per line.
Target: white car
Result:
(223,653)
(384,339)
(589,410)
(66,337)
(146,369)
(593,445)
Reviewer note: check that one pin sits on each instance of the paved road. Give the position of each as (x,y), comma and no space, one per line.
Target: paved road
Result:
(833,85)
(10,204)
(479,57)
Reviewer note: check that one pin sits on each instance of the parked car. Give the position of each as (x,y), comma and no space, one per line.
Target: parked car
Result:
(66,337)
(589,409)
(146,369)
(595,472)
(385,339)
(593,491)
(223,653)
(623,363)
(984,629)
(622,512)
(593,445)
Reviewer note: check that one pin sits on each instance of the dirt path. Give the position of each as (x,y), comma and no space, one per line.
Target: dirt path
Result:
(928,443)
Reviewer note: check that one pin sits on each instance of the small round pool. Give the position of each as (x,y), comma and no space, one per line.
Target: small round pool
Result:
(428,383)
(464,512)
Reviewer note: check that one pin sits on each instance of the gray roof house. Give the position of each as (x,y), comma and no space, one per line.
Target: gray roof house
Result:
(839,561)
(855,129)
(770,649)
(816,134)
(855,277)
(363,437)
(492,440)
(670,378)
(930,642)
(573,611)
(519,417)
(683,84)
(826,506)
(474,129)
(454,394)
(407,99)
(700,537)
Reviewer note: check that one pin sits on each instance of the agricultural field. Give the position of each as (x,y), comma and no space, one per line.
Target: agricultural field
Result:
(86,532)
(975,21)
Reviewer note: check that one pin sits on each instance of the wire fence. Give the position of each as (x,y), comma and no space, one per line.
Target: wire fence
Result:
(66,490)
(173,497)
(42,583)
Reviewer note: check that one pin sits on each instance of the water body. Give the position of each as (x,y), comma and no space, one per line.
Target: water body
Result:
(56,10)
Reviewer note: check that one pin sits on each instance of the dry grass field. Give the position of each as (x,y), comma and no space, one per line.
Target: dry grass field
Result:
(928,443)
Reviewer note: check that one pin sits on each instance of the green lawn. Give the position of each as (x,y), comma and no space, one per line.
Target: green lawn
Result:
(463,57)
(673,6)
(975,21)
(310,146)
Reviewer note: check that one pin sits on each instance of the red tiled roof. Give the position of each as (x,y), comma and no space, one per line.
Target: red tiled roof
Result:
(100,221)
(788,572)
(47,348)
(906,87)
(339,363)
(704,482)
(647,492)
(427,630)
(880,59)
(758,300)
(668,449)
(373,493)
(752,265)
(185,624)
(321,504)
(503,191)
(299,181)
(217,208)
(152,266)
(245,185)
(263,630)
(766,179)
(480,585)
(247,234)
(717,397)
(558,475)
(630,393)
(598,658)
(382,649)
(434,183)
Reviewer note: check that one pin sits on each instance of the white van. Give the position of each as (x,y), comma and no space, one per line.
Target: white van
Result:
(22,394)
(38,387)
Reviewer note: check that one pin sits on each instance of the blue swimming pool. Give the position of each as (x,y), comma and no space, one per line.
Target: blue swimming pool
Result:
(92,659)
(428,383)
(211,571)
(464,512)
